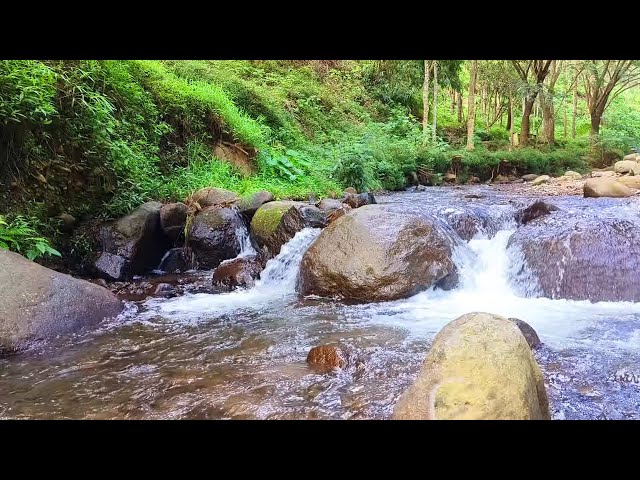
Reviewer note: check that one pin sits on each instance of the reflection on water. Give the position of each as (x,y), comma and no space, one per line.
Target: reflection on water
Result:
(242,354)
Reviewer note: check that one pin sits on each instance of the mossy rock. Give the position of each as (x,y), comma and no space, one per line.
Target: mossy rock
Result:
(275,223)
(480,367)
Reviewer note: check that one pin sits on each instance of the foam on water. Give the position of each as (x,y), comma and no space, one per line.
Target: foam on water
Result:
(485,265)
(275,288)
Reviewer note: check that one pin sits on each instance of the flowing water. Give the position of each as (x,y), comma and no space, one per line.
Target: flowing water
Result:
(242,354)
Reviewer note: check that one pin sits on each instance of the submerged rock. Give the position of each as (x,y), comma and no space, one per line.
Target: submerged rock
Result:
(536,210)
(605,187)
(595,259)
(275,223)
(213,235)
(326,358)
(373,254)
(164,290)
(479,367)
(137,238)
(38,303)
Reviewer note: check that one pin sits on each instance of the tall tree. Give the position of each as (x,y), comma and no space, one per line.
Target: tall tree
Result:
(459,97)
(546,102)
(472,103)
(604,81)
(532,74)
(435,98)
(425,98)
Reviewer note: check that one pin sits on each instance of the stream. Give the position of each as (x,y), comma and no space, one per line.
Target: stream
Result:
(242,354)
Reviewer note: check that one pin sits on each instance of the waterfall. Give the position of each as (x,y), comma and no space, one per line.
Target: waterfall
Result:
(274,289)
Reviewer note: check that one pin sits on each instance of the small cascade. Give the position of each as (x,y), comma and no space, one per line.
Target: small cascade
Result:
(277,284)
(246,247)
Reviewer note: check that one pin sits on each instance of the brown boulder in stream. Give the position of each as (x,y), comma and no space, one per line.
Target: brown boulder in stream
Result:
(576,258)
(238,272)
(373,254)
(605,187)
(326,358)
(213,235)
(38,303)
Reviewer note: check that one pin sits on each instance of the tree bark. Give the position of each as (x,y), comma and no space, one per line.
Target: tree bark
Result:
(435,98)
(453,102)
(526,126)
(575,109)
(472,104)
(459,107)
(596,119)
(425,99)
(510,120)
(548,120)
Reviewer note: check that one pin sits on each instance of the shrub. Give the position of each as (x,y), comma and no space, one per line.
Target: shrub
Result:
(19,236)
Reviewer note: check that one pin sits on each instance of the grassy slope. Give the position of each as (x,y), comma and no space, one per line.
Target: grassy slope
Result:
(98,138)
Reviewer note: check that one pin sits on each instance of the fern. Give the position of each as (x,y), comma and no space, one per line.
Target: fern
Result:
(20,237)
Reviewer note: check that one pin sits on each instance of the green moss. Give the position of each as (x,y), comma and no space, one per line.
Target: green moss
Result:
(267,218)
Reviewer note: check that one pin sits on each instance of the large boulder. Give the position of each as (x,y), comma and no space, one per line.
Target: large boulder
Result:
(530,177)
(37,303)
(564,256)
(275,223)
(173,217)
(137,238)
(479,367)
(238,272)
(605,187)
(627,166)
(373,254)
(249,205)
(209,197)
(633,157)
(111,267)
(213,236)
(603,173)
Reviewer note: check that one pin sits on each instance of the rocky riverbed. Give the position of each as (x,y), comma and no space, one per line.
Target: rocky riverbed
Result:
(202,352)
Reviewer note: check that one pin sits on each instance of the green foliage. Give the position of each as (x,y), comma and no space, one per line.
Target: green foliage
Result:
(19,236)
(27,90)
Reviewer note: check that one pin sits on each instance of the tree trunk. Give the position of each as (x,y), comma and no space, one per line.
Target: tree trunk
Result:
(459,107)
(566,107)
(575,109)
(548,120)
(453,101)
(510,120)
(526,114)
(435,97)
(472,104)
(596,118)
(425,99)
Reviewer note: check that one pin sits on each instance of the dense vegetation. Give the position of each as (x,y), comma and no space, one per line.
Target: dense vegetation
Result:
(94,139)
